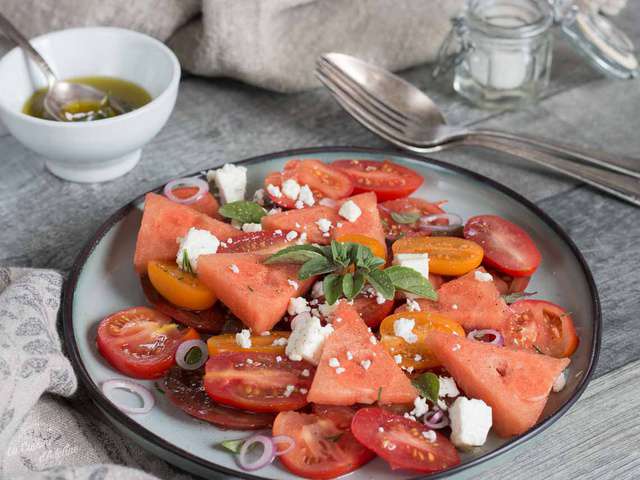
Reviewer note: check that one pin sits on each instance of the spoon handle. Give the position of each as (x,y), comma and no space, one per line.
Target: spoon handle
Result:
(7,27)
(570,152)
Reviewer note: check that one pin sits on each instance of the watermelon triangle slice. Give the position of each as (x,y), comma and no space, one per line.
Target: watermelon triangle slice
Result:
(514,383)
(257,294)
(369,370)
(163,221)
(368,223)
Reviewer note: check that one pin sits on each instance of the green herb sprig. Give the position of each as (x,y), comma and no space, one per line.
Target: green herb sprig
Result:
(428,384)
(243,211)
(349,267)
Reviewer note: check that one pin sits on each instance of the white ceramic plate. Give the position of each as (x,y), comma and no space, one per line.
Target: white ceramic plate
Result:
(103,281)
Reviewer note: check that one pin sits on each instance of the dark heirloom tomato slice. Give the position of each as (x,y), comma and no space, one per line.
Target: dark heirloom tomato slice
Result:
(415,206)
(324,445)
(258,381)
(400,441)
(141,342)
(185,389)
(206,321)
(507,247)
(541,326)
(386,179)
(371,311)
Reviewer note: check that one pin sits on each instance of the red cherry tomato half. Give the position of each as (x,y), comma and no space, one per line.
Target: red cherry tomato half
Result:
(324,445)
(141,342)
(386,179)
(258,381)
(541,326)
(400,441)
(371,311)
(412,206)
(185,389)
(507,247)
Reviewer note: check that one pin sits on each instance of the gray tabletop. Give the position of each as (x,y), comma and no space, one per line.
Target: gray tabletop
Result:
(46,221)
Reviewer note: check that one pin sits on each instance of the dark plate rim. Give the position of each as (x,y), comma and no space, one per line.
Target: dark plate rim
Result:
(126,422)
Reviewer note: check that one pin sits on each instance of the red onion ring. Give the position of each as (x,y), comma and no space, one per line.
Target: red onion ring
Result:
(201,185)
(436,420)
(267,456)
(280,439)
(145,395)
(184,349)
(454,222)
(478,334)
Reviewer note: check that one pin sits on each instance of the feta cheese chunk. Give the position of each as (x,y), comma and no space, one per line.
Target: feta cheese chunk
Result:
(307,338)
(291,189)
(430,435)
(350,211)
(195,243)
(415,261)
(243,339)
(559,383)
(470,422)
(298,305)
(231,181)
(317,290)
(448,387)
(306,196)
(274,191)
(482,276)
(403,328)
(289,389)
(324,225)
(292,235)
(251,227)
(420,407)
(334,362)
(327,310)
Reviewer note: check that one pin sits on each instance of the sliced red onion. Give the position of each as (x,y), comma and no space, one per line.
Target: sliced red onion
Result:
(145,395)
(201,185)
(283,439)
(479,334)
(184,352)
(454,222)
(436,420)
(265,458)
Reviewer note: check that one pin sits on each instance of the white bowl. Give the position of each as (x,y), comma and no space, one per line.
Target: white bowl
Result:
(104,149)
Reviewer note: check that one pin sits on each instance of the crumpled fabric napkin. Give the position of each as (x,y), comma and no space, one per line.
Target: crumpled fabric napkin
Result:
(49,428)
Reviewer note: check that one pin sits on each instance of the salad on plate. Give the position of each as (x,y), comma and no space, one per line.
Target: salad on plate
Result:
(336,318)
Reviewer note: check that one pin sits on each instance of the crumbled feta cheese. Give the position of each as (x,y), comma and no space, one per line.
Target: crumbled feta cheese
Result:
(482,276)
(430,436)
(280,342)
(249,361)
(448,387)
(339,224)
(327,310)
(317,290)
(365,364)
(258,196)
(340,370)
(403,328)
(266,333)
(243,339)
(328,202)
(324,225)
(195,243)
(415,261)
(234,268)
(289,389)
(470,422)
(350,211)
(442,405)
(456,347)
(274,191)
(278,359)
(304,391)
(380,429)
(412,305)
(231,181)
(274,211)
(334,362)
(373,339)
(420,407)
(303,238)
(454,306)
(291,189)
(408,416)
(299,204)
(349,355)
(398,358)
(298,305)
(293,283)
(307,338)
(409,369)
(305,372)
(559,383)
(251,227)
(380,298)
(277,232)
(306,196)
(417,357)
(292,235)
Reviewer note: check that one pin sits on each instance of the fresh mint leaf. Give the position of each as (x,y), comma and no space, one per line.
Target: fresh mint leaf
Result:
(243,211)
(298,254)
(316,266)
(373,262)
(382,283)
(193,356)
(347,285)
(360,255)
(514,297)
(332,286)
(405,218)
(340,253)
(358,282)
(428,384)
(408,280)
(232,445)
(186,263)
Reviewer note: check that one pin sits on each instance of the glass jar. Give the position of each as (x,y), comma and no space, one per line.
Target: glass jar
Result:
(503,51)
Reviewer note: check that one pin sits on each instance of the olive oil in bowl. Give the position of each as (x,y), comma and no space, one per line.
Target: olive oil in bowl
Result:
(128,94)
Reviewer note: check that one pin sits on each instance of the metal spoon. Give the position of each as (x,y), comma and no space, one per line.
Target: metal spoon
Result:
(60,93)
(414,117)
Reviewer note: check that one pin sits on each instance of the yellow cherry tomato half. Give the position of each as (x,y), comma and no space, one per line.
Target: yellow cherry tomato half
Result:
(447,255)
(181,288)
(375,246)
(272,343)
(415,354)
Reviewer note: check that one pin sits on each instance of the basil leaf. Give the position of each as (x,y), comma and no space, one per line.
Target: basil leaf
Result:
(243,211)
(316,266)
(428,384)
(347,285)
(332,286)
(405,217)
(408,280)
(382,283)
(193,356)
(358,283)
(295,254)
(515,296)
(232,445)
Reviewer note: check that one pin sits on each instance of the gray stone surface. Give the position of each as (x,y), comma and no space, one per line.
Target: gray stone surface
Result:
(46,221)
